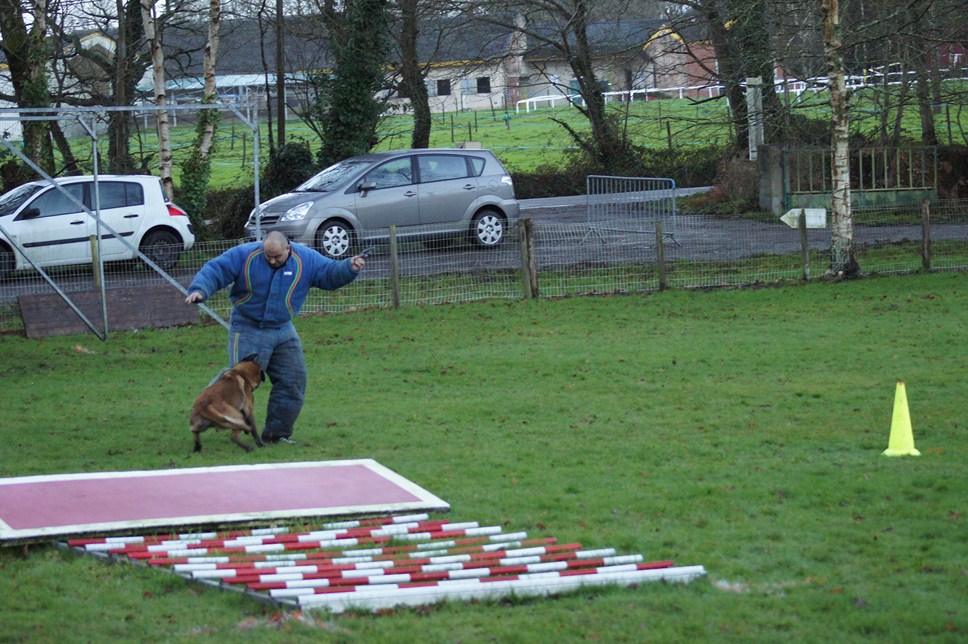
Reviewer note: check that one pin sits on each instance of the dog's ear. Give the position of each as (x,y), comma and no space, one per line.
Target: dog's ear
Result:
(252,357)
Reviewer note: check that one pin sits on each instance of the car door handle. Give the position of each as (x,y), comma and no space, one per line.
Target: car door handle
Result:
(410,193)
(469,186)
(133,215)
(78,223)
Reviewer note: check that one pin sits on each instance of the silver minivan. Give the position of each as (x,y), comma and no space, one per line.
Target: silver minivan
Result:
(432,195)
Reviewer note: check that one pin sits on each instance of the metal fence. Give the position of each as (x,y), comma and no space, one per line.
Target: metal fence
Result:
(707,252)
(630,205)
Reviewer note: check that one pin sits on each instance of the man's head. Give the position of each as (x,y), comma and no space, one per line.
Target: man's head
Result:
(275,246)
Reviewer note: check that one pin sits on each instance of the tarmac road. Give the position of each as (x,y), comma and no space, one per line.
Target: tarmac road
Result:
(563,236)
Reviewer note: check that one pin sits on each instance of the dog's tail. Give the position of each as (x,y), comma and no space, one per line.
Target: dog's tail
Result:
(233,418)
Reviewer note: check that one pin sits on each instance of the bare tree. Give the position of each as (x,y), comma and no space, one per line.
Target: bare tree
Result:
(562,29)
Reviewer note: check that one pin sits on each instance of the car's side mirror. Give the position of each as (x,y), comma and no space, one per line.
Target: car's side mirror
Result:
(366,186)
(30,213)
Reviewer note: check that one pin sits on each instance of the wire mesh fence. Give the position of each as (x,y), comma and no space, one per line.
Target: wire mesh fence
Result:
(706,252)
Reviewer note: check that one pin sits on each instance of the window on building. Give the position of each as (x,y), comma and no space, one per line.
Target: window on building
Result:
(484,85)
(443,87)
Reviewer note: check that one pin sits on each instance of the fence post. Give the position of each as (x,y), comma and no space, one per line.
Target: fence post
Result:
(926,235)
(660,256)
(394,267)
(96,262)
(804,244)
(529,269)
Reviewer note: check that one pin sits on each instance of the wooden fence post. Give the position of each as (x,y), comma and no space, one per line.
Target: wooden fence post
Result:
(96,262)
(660,257)
(529,268)
(394,267)
(804,244)
(926,235)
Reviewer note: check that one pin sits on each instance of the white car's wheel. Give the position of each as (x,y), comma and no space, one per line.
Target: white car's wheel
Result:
(7,262)
(162,247)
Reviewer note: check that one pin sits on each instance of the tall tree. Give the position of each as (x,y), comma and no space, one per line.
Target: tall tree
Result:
(25,48)
(197,169)
(411,72)
(842,260)
(359,33)
(149,16)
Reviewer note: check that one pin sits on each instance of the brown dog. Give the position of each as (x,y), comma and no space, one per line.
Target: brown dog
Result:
(227,403)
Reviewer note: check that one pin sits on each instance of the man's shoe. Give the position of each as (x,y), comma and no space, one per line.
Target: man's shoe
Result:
(280,439)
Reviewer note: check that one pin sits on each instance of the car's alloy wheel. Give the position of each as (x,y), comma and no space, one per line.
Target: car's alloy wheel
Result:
(487,228)
(162,247)
(334,239)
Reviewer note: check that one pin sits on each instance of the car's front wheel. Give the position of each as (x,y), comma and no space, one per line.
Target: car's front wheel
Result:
(334,239)
(162,247)
(487,228)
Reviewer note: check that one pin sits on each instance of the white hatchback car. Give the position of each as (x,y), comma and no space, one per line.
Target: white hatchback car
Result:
(54,231)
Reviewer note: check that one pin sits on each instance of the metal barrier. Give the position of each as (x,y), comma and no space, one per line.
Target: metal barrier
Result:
(630,205)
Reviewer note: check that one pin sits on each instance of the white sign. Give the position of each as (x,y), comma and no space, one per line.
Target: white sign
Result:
(816,217)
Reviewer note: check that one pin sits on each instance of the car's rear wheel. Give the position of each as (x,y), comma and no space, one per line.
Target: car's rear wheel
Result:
(7,262)
(487,228)
(162,247)
(334,239)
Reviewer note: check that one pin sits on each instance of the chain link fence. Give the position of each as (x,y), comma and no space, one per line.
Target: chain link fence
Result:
(562,259)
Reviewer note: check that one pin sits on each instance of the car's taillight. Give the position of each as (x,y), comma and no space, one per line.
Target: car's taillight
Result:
(175,211)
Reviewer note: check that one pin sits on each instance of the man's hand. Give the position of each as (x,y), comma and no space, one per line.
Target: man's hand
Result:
(357,263)
(194,297)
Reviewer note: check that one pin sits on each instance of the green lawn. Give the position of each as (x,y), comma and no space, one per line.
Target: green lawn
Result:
(741,430)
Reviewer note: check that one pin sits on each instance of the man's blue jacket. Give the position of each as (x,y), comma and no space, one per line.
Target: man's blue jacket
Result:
(270,297)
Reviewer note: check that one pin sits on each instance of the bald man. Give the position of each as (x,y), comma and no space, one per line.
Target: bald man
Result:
(269,282)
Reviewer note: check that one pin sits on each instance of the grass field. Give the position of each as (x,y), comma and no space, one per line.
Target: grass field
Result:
(740,430)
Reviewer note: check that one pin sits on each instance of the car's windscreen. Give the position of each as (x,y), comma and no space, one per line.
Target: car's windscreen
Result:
(332,177)
(16,197)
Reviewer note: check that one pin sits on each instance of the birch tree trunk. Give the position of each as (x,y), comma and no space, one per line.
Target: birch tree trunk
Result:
(842,260)
(207,133)
(197,168)
(158,77)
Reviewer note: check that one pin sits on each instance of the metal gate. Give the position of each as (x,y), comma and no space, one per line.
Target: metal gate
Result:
(878,176)
(630,205)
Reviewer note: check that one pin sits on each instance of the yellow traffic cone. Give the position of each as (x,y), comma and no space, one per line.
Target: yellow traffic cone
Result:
(901,442)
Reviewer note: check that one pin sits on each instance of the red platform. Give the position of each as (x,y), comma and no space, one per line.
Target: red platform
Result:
(59,505)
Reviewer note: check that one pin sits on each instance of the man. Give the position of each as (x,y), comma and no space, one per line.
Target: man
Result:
(270,281)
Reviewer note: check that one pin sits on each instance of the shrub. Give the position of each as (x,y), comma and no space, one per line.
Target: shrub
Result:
(291,164)
(227,212)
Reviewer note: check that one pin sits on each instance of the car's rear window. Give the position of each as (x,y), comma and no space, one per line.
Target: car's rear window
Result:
(119,194)
(441,167)
(478,164)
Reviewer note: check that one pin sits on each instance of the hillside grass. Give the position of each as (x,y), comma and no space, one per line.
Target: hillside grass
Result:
(740,430)
(532,139)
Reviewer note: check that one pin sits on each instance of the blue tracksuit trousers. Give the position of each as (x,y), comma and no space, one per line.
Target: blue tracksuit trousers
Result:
(280,354)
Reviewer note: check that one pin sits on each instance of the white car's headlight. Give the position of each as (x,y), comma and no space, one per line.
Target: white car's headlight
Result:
(297,212)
